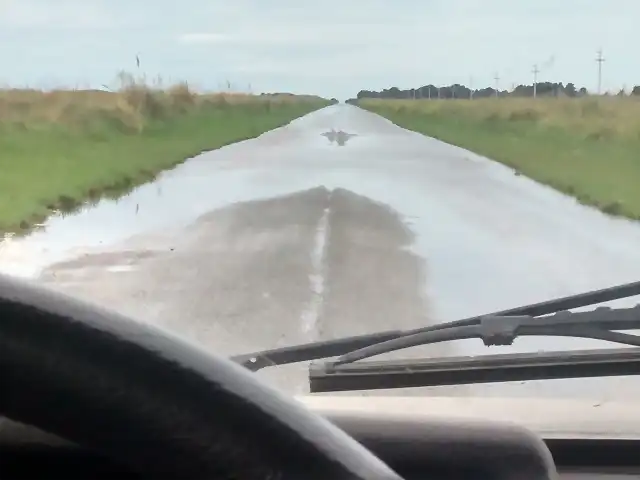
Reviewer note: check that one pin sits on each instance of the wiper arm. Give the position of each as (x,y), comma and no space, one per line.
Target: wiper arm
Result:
(503,330)
(332,348)
(313,351)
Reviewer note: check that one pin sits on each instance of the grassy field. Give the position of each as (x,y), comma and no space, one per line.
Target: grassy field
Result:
(61,148)
(588,148)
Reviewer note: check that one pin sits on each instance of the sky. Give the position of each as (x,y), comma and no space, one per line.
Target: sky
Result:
(332,48)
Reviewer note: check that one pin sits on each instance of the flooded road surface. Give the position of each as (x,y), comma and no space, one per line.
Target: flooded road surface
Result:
(339,223)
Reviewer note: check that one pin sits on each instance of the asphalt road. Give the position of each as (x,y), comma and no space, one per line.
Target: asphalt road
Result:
(306,233)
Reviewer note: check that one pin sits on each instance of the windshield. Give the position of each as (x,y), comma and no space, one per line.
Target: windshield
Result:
(252,175)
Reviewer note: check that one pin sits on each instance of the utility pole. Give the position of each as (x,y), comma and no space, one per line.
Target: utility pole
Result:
(470,88)
(599,59)
(535,72)
(497,79)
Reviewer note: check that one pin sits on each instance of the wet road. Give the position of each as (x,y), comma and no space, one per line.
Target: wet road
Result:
(339,223)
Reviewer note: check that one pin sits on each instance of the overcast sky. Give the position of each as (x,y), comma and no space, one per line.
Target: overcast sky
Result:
(330,48)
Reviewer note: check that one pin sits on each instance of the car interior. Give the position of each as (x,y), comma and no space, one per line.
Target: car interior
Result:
(436,448)
(87,393)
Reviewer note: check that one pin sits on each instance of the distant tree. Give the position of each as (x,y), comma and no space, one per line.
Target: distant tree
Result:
(636,90)
(458,91)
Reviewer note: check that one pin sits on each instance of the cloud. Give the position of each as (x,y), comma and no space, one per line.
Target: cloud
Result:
(333,48)
(203,38)
(294,36)
(58,14)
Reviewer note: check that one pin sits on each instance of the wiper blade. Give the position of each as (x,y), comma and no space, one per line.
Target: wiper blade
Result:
(331,348)
(472,370)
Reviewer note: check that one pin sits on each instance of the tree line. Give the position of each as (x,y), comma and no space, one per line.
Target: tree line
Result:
(542,89)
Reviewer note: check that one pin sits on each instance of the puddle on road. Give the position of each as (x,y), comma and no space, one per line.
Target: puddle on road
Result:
(176,198)
(173,200)
(338,137)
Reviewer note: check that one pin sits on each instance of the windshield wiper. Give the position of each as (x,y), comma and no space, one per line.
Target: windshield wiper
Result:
(608,362)
(363,346)
(344,374)
(496,330)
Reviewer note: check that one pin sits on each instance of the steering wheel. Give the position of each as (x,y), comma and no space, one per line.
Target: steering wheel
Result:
(154,402)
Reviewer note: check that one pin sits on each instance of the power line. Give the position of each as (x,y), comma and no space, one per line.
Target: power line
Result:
(535,72)
(599,59)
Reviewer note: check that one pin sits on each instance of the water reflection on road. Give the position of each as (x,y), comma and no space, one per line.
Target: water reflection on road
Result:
(338,137)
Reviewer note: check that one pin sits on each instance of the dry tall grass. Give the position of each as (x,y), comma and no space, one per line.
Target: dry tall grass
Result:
(593,117)
(128,108)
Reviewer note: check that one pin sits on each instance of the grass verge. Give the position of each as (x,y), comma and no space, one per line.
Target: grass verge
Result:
(587,148)
(59,149)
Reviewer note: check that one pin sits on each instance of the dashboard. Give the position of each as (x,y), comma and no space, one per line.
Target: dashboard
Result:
(426,449)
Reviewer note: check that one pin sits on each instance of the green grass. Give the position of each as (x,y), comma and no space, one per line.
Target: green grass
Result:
(59,150)
(589,149)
